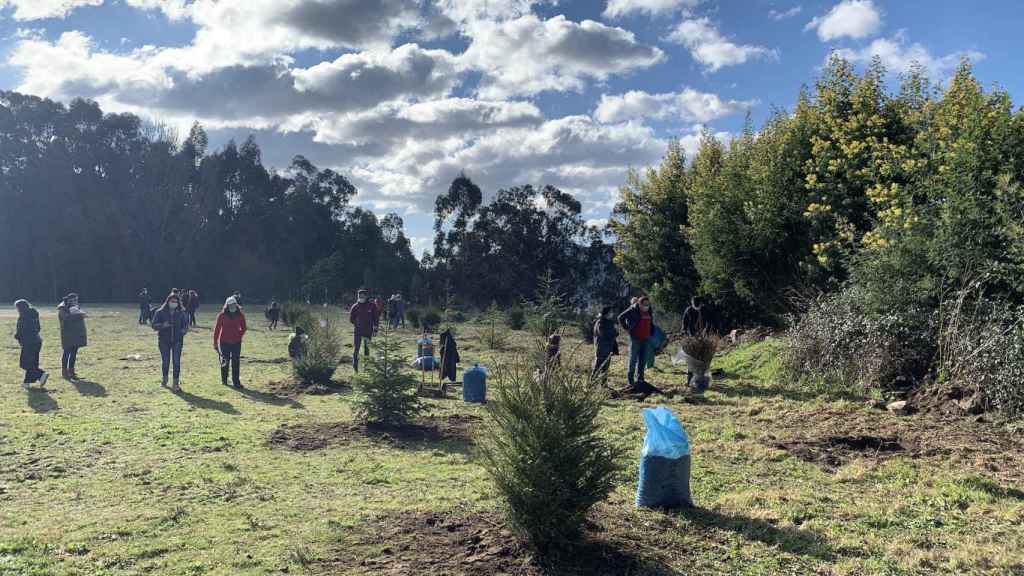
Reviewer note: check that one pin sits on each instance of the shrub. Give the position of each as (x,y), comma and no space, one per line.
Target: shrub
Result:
(547,312)
(297,314)
(388,389)
(323,352)
(413,314)
(543,450)
(493,335)
(841,344)
(516,318)
(431,320)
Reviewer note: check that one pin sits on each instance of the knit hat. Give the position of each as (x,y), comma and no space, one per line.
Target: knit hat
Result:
(231,301)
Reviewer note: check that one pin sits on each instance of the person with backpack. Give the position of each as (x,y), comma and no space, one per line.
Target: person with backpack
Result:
(171,323)
(606,345)
(144,302)
(273,314)
(27,335)
(364,318)
(638,320)
(227,340)
(73,334)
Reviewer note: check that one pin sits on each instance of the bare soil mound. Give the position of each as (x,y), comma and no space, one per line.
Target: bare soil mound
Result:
(305,437)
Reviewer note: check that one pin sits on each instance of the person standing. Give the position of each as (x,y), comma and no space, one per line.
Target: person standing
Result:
(363,316)
(606,345)
(227,340)
(399,311)
(693,318)
(193,306)
(73,334)
(27,334)
(273,314)
(170,322)
(144,302)
(638,320)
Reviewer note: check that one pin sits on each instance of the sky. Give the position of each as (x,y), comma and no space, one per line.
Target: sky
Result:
(403,95)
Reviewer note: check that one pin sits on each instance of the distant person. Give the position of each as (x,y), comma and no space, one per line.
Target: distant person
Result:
(171,324)
(227,340)
(144,302)
(27,335)
(638,320)
(363,316)
(297,344)
(606,345)
(273,314)
(399,315)
(554,354)
(693,318)
(378,307)
(186,301)
(238,297)
(73,334)
(193,306)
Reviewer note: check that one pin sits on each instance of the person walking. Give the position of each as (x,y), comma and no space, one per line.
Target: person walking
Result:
(170,322)
(73,334)
(273,314)
(606,345)
(638,320)
(193,306)
(227,340)
(144,302)
(364,318)
(27,335)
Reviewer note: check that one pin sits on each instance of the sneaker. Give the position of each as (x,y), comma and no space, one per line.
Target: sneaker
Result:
(44,378)
(176,387)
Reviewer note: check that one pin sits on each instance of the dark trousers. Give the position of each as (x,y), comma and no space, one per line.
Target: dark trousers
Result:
(359,339)
(599,373)
(143,313)
(231,354)
(30,362)
(170,352)
(192,317)
(68,359)
(637,360)
(274,317)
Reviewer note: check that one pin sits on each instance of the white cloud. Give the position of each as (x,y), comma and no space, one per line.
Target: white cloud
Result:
(784,14)
(849,18)
(620,8)
(527,55)
(899,55)
(41,9)
(687,106)
(714,51)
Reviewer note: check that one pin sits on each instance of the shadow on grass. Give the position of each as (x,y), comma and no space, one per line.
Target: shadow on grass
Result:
(791,540)
(993,489)
(40,401)
(732,385)
(87,388)
(273,399)
(207,403)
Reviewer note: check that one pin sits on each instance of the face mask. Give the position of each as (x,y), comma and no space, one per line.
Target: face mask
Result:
(233,308)
(362,299)
(172,305)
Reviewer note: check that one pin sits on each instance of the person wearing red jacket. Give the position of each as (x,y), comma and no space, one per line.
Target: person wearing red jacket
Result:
(363,316)
(227,340)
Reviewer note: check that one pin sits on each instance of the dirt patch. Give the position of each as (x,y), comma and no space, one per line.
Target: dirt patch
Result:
(292,388)
(305,437)
(468,544)
(981,446)
(834,451)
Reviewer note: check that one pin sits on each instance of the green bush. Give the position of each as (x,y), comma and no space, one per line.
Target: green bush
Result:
(543,449)
(431,320)
(516,318)
(413,315)
(493,334)
(323,352)
(388,391)
(547,312)
(295,313)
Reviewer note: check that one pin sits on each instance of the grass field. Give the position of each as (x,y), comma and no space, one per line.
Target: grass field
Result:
(115,475)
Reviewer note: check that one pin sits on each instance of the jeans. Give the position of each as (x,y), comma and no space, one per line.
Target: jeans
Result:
(68,359)
(365,342)
(171,351)
(637,360)
(231,356)
(30,362)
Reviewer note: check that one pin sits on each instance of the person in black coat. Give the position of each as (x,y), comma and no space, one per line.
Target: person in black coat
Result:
(27,334)
(606,345)
(693,318)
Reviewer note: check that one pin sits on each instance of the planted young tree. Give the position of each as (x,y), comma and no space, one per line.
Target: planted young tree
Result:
(493,333)
(323,352)
(388,389)
(547,312)
(543,449)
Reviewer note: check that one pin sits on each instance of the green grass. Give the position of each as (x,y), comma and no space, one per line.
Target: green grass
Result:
(117,476)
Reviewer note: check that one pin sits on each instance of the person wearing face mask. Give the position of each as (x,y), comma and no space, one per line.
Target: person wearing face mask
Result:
(227,340)
(171,324)
(638,320)
(363,316)
(606,345)
(73,335)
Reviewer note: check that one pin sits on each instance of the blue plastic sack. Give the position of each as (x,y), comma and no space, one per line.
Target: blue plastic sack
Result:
(664,480)
(666,437)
